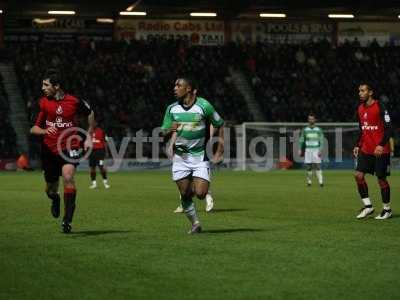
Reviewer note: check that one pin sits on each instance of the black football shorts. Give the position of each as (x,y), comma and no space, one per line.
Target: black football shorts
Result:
(371,164)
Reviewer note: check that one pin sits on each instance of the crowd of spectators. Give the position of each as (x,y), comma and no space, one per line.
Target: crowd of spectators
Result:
(289,81)
(7,133)
(129,85)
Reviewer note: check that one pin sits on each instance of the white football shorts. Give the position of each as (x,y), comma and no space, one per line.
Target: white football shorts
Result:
(186,165)
(311,156)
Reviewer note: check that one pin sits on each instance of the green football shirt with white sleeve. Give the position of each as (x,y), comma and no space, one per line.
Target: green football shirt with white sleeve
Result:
(311,138)
(311,141)
(194,125)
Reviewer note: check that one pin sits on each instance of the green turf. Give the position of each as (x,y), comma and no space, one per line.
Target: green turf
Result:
(270,237)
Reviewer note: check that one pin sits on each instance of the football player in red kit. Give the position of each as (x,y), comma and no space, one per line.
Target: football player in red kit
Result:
(96,158)
(373,150)
(61,146)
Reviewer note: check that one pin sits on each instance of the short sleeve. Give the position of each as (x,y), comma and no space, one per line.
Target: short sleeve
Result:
(168,119)
(84,107)
(41,115)
(212,115)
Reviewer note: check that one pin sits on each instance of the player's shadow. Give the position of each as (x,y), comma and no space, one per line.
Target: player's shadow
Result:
(395,216)
(232,230)
(86,233)
(222,210)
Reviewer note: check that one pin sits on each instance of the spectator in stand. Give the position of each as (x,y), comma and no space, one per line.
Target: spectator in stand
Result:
(133,78)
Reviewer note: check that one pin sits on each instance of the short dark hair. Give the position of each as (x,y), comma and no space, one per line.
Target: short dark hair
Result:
(190,81)
(369,86)
(311,114)
(53,76)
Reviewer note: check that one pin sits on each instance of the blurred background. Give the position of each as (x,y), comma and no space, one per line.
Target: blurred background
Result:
(256,61)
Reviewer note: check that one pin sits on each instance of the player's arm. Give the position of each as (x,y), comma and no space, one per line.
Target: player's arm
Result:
(321,141)
(212,130)
(302,143)
(357,146)
(218,123)
(169,126)
(169,132)
(37,128)
(388,130)
(91,122)
(86,110)
(170,136)
(391,143)
(91,125)
(170,147)
(219,153)
(106,140)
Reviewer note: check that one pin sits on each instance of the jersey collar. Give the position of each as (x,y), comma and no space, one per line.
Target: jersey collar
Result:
(53,98)
(365,103)
(186,108)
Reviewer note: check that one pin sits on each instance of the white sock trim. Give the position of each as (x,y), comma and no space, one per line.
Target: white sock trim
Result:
(319,176)
(366,201)
(309,176)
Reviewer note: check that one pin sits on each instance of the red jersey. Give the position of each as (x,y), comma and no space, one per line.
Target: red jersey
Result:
(61,114)
(374,121)
(99,138)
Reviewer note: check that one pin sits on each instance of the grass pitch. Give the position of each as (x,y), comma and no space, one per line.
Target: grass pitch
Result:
(270,237)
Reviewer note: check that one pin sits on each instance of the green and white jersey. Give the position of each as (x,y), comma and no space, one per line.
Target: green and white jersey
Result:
(193,125)
(311,138)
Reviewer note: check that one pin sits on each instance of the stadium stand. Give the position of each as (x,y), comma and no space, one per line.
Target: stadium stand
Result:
(7,133)
(130,84)
(291,80)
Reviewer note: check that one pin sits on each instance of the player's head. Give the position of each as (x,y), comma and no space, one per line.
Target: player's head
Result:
(51,83)
(365,92)
(185,86)
(311,119)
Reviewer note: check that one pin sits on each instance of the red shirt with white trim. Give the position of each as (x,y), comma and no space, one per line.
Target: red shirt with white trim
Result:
(61,114)
(372,120)
(99,138)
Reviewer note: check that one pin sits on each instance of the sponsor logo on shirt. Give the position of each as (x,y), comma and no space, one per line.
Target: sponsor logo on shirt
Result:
(59,123)
(59,110)
(369,127)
